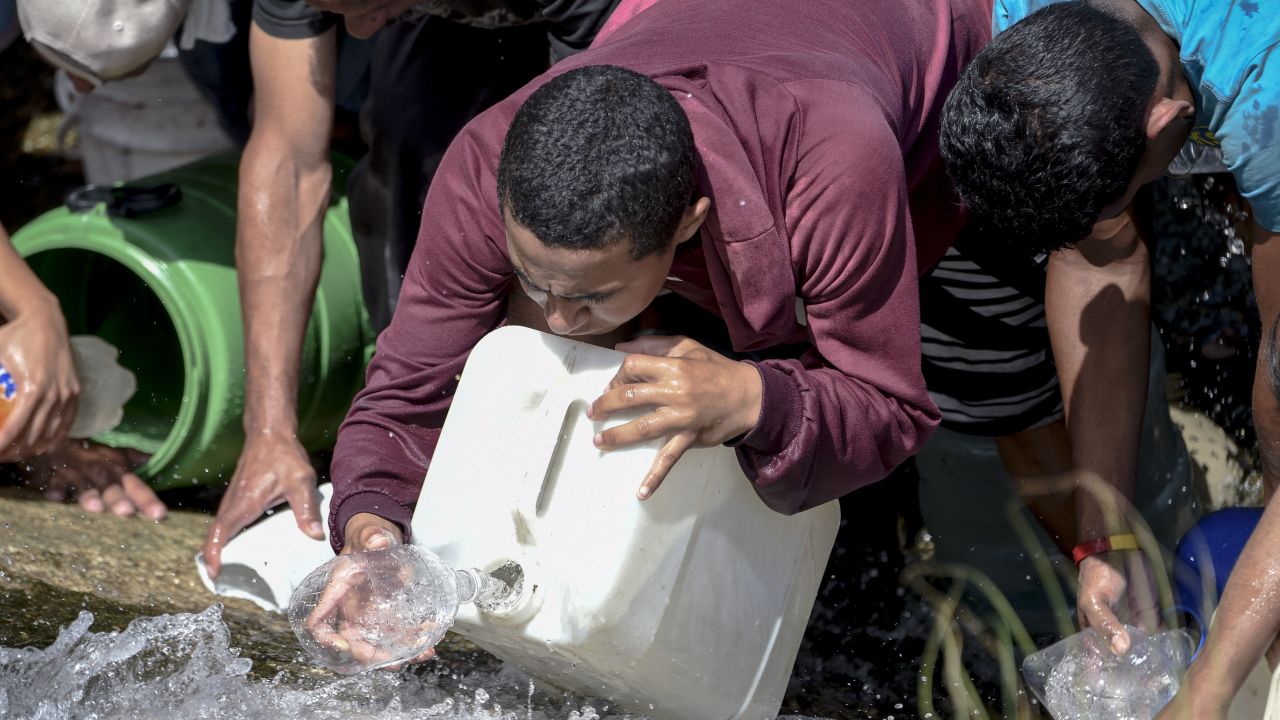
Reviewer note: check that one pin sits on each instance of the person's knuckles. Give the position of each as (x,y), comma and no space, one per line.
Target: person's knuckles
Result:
(633,365)
(649,426)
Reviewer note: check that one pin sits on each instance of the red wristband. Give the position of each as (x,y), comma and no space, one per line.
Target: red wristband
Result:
(1123,541)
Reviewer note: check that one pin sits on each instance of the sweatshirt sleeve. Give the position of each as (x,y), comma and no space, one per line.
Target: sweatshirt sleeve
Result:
(454,293)
(855,405)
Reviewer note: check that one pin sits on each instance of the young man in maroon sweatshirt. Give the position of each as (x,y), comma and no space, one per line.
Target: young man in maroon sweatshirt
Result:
(772,161)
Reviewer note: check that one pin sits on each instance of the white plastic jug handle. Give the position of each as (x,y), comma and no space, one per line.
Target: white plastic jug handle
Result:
(550,449)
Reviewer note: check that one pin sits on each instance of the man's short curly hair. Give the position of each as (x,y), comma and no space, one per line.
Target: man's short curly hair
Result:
(1046,126)
(597,155)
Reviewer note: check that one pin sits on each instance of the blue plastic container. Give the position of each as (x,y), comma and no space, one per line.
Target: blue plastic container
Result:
(1205,557)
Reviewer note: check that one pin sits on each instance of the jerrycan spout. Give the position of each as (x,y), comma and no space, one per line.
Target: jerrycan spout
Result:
(498,590)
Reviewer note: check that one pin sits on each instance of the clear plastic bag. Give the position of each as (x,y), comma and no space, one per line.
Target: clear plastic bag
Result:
(1080,678)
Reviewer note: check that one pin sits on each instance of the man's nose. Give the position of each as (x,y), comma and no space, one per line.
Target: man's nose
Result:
(564,317)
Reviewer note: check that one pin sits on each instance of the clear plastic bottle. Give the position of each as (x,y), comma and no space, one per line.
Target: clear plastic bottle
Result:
(381,607)
(105,387)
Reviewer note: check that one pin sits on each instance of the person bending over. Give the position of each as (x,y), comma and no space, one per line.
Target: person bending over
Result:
(772,162)
(1049,135)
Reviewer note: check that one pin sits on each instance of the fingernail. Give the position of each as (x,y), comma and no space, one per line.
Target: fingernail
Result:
(598,440)
(316,529)
(590,413)
(644,492)
(93,505)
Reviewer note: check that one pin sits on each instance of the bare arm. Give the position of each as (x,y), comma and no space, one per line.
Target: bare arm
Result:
(284,192)
(1098,308)
(1248,618)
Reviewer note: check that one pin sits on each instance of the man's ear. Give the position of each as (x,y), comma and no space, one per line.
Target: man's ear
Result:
(694,215)
(1168,112)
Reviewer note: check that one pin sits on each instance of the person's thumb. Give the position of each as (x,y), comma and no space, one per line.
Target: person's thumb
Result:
(1098,615)
(380,539)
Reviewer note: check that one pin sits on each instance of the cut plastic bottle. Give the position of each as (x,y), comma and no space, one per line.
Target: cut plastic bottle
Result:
(105,387)
(377,608)
(1080,678)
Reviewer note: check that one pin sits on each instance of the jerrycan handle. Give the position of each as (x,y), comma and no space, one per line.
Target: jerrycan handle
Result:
(539,487)
(124,201)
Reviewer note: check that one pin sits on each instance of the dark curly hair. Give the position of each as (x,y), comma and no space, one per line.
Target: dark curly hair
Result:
(1046,126)
(597,155)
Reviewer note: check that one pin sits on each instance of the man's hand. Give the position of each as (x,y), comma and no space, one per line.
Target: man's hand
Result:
(271,469)
(35,349)
(1117,582)
(97,477)
(340,621)
(366,531)
(699,399)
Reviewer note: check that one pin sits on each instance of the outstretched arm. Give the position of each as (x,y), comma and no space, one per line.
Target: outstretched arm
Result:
(283,196)
(1248,618)
(455,292)
(1098,308)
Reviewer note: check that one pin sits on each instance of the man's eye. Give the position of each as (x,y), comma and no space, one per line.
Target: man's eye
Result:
(530,290)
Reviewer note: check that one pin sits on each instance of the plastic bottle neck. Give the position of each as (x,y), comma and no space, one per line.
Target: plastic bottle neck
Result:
(484,590)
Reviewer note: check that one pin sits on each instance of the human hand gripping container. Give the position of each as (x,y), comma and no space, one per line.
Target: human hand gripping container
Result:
(690,604)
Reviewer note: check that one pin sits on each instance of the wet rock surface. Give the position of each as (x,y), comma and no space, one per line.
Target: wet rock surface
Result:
(56,560)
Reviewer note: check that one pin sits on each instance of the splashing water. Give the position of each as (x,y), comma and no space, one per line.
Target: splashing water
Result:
(183,665)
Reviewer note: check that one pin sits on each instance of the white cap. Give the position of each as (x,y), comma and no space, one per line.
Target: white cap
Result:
(100,40)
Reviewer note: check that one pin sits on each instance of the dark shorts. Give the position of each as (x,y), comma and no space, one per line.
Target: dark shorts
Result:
(427,80)
(985,344)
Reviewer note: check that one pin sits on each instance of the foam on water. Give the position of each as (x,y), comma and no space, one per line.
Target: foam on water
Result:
(183,665)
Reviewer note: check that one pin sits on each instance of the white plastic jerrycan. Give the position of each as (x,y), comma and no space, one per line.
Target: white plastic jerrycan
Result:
(689,605)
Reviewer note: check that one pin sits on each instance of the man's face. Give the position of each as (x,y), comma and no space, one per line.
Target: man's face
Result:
(585,292)
(365,17)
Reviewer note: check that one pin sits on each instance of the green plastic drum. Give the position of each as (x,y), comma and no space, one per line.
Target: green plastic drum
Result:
(162,288)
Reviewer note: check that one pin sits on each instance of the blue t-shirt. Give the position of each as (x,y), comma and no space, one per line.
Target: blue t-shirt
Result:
(1230,56)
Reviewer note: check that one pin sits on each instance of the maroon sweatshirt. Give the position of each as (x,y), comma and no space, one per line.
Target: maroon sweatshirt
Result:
(815,123)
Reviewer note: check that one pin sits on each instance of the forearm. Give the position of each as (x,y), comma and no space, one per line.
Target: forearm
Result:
(20,290)
(1248,617)
(822,434)
(279,253)
(1097,304)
